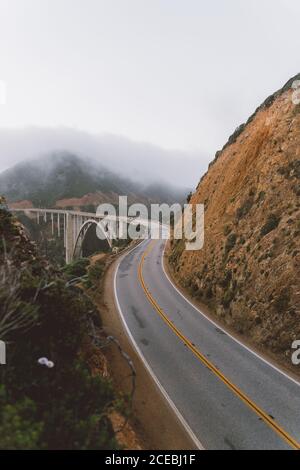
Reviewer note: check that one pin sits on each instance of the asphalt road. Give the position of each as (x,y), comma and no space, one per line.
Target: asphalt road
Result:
(226,396)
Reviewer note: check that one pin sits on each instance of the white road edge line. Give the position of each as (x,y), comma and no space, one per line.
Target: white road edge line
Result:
(220,327)
(147,366)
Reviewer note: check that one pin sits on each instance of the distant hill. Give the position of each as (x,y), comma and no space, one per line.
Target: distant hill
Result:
(249,269)
(66,180)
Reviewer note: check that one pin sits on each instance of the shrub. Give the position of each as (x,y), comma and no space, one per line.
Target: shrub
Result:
(77,269)
(228,298)
(261,197)
(60,418)
(209,293)
(19,426)
(226,280)
(270,225)
(282,302)
(230,243)
(41,408)
(242,240)
(95,273)
(245,208)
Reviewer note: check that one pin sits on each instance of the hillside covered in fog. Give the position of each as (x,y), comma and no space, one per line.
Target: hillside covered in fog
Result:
(66,180)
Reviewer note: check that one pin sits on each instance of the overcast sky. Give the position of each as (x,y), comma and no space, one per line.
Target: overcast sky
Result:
(180,74)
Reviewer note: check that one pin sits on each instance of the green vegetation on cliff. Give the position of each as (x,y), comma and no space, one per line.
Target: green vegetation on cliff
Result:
(60,407)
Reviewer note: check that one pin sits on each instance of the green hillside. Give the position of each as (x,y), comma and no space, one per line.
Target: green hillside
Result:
(64,176)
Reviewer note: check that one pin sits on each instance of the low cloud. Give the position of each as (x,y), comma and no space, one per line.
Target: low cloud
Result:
(140,161)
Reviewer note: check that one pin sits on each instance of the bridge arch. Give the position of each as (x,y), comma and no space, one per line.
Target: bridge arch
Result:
(104,244)
(75,227)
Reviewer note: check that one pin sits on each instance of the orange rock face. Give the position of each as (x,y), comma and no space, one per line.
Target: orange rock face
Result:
(249,269)
(21,205)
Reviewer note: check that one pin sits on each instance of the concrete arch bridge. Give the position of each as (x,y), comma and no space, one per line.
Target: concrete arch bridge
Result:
(76,228)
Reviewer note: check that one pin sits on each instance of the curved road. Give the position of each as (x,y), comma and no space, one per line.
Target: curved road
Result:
(226,396)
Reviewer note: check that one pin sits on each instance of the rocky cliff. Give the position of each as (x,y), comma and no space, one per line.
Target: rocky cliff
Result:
(249,270)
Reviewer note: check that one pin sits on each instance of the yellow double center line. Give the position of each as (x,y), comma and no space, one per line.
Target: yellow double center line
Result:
(264,416)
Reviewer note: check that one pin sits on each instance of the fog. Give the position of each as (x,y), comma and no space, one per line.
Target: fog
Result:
(101,77)
(138,161)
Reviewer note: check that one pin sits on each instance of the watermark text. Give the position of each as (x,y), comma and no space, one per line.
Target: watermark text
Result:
(160,221)
(296,354)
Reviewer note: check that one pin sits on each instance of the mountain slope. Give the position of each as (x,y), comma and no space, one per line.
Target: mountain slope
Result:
(249,269)
(40,317)
(63,179)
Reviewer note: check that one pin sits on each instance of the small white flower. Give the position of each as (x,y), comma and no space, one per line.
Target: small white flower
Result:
(43,361)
